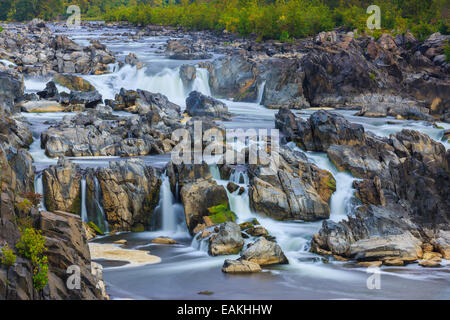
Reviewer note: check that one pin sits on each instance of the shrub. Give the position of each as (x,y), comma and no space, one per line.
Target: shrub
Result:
(221,213)
(32,246)
(8,257)
(25,205)
(34,198)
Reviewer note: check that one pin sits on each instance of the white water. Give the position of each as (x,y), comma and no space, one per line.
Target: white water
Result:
(39,188)
(84,216)
(97,199)
(172,213)
(261,92)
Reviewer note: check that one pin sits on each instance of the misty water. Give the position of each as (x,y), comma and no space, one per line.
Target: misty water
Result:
(186,268)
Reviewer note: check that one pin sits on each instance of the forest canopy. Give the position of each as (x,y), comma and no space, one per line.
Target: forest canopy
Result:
(267,19)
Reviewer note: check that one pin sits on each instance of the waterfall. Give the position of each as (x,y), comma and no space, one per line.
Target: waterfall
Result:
(170,211)
(261,92)
(101,217)
(39,188)
(84,216)
(166,82)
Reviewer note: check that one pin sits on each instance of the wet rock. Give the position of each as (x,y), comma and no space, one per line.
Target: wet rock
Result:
(50,92)
(42,106)
(299,190)
(164,240)
(188,73)
(184,49)
(11,90)
(198,104)
(369,191)
(62,187)
(233,77)
(227,240)
(89,99)
(130,193)
(232,187)
(72,82)
(264,252)
(240,266)
(133,61)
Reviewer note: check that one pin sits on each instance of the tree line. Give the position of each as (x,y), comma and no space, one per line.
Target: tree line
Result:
(267,19)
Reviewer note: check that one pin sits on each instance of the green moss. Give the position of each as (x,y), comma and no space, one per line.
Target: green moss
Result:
(331,183)
(76,205)
(138,228)
(8,257)
(93,226)
(246,225)
(221,213)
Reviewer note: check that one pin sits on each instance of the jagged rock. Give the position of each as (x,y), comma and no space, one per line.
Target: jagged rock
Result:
(50,92)
(89,99)
(240,266)
(11,90)
(188,73)
(232,187)
(133,60)
(62,187)
(233,77)
(72,82)
(369,191)
(198,104)
(299,190)
(130,192)
(264,252)
(42,106)
(183,49)
(228,240)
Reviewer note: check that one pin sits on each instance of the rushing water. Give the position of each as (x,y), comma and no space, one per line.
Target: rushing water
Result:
(186,268)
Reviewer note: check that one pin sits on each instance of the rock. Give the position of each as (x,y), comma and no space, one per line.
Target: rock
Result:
(227,240)
(264,252)
(197,197)
(74,83)
(133,61)
(394,262)
(62,187)
(442,244)
(369,191)
(164,240)
(232,187)
(121,241)
(90,232)
(370,263)
(67,246)
(42,106)
(188,73)
(299,190)
(322,130)
(233,77)
(257,231)
(89,99)
(433,263)
(117,253)
(240,266)
(198,104)
(130,191)
(50,91)
(183,49)
(11,90)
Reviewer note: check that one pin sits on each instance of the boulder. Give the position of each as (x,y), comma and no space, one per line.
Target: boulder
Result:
(264,252)
(72,82)
(130,194)
(198,104)
(228,240)
(188,73)
(50,92)
(11,90)
(62,187)
(89,99)
(240,266)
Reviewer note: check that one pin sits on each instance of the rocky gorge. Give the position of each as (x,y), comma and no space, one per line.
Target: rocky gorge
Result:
(89,126)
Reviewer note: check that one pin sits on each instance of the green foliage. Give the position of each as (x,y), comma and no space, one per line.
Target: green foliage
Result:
(447,52)
(34,198)
(25,205)
(95,228)
(221,213)
(1,29)
(32,246)
(8,257)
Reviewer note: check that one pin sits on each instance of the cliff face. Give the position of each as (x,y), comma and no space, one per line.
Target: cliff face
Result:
(65,238)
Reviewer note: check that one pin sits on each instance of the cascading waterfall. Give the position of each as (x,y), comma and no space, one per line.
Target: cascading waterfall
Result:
(170,211)
(99,207)
(39,188)
(84,216)
(261,92)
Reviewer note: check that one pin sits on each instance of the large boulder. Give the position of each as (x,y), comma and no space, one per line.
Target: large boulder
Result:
(198,104)
(228,240)
(62,187)
(264,252)
(11,90)
(130,193)
(74,83)
(188,73)
(240,266)
(89,98)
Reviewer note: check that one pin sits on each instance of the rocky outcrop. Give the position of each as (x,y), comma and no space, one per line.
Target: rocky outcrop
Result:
(185,49)
(233,77)
(299,189)
(198,104)
(11,91)
(73,82)
(130,193)
(188,73)
(62,187)
(38,52)
(227,240)
(264,252)
(90,135)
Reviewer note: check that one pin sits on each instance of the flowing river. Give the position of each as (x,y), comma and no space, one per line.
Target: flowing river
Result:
(186,269)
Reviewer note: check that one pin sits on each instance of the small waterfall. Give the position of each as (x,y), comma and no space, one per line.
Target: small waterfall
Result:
(261,92)
(201,82)
(84,216)
(39,188)
(171,212)
(101,217)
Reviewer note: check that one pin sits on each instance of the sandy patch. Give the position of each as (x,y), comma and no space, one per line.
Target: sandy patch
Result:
(113,252)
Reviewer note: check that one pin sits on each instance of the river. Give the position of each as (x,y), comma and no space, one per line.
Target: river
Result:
(186,269)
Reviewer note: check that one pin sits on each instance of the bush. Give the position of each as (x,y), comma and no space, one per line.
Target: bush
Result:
(8,257)
(34,198)
(32,246)
(221,213)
